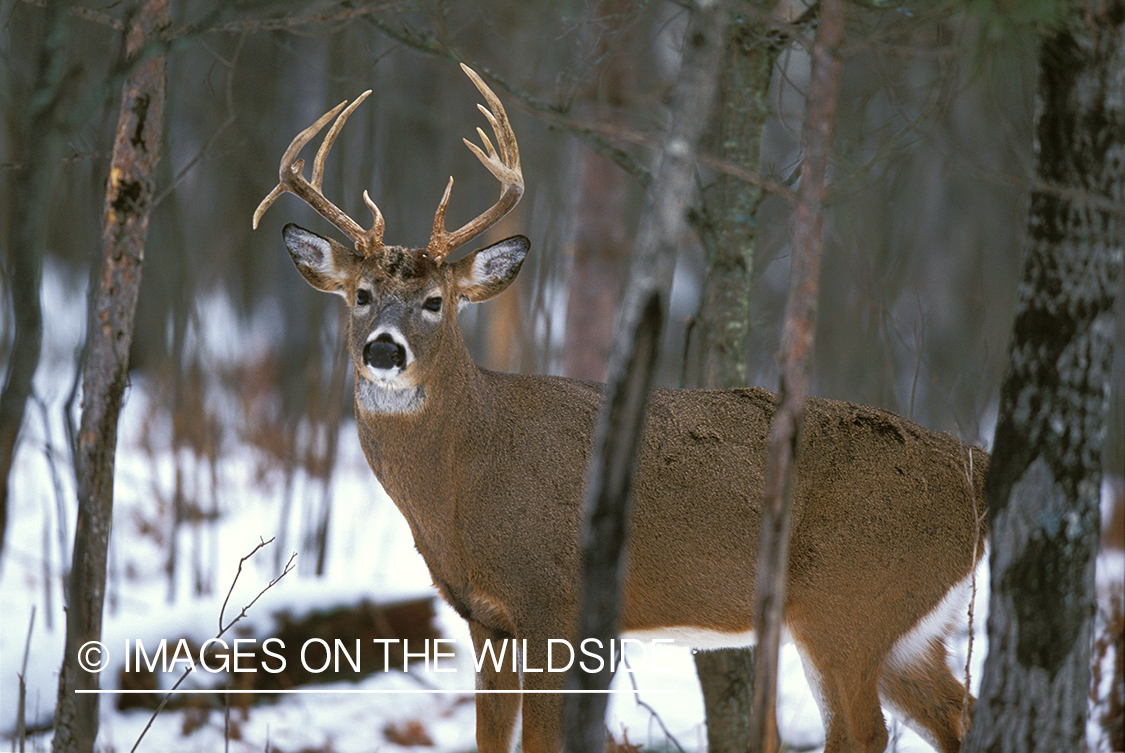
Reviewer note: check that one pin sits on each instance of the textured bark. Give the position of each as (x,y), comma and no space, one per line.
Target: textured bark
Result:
(636,347)
(129,191)
(729,231)
(796,353)
(1043,486)
(31,200)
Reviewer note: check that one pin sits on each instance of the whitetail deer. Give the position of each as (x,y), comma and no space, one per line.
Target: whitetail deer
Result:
(488,469)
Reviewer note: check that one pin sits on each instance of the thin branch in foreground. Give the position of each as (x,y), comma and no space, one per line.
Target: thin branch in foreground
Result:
(222,629)
(21,704)
(271,584)
(796,354)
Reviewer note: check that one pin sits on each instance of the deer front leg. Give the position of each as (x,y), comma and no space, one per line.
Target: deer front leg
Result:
(496,712)
(542,711)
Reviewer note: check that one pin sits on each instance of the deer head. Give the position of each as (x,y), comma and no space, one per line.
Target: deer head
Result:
(403,301)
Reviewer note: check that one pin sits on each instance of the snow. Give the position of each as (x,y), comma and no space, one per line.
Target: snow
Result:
(371,556)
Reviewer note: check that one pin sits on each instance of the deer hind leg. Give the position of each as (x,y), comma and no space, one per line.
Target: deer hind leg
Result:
(918,683)
(925,692)
(496,712)
(845,684)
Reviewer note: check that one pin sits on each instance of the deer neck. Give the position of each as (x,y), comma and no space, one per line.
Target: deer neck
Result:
(426,457)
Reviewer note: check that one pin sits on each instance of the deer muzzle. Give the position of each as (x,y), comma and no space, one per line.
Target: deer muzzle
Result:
(384,353)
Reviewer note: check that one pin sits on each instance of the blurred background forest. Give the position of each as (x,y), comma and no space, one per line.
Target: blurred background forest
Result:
(233,350)
(927,212)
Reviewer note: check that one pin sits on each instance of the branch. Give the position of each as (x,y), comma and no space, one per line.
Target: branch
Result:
(284,572)
(164,701)
(796,353)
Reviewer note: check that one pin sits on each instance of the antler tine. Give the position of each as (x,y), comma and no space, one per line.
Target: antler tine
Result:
(292,180)
(503,162)
(287,160)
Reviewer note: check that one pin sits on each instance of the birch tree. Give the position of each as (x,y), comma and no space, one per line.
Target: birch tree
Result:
(1045,475)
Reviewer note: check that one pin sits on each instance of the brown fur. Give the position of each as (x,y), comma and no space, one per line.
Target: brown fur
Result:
(488,470)
(489,475)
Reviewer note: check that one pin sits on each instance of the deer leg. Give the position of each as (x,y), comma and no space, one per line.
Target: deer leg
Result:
(847,694)
(496,712)
(542,712)
(923,689)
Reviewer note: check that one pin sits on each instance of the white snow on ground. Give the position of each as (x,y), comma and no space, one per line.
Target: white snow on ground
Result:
(371,556)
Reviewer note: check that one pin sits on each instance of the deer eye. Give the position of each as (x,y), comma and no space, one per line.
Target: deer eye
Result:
(433,303)
(362,297)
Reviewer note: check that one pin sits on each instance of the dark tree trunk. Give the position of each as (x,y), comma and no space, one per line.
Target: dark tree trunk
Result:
(728,230)
(30,203)
(129,192)
(1044,479)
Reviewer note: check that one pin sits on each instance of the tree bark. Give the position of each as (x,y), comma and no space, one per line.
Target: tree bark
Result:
(728,230)
(31,201)
(129,191)
(637,343)
(1044,480)
(796,353)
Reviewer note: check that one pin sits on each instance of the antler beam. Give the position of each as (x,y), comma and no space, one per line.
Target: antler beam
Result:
(503,162)
(292,180)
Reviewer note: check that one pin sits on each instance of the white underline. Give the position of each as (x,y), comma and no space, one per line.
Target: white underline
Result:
(358,691)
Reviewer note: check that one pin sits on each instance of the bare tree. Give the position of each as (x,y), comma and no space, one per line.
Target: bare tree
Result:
(637,338)
(129,192)
(42,138)
(1044,480)
(728,228)
(795,356)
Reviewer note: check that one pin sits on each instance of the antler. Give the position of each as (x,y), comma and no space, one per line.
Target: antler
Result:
(503,162)
(292,179)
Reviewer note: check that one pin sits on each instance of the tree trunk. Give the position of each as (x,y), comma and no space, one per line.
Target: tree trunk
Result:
(1044,479)
(129,192)
(796,354)
(31,202)
(600,246)
(728,231)
(636,348)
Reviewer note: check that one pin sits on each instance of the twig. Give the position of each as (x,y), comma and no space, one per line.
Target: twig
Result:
(222,629)
(21,708)
(980,518)
(271,584)
(231,116)
(86,14)
(645,705)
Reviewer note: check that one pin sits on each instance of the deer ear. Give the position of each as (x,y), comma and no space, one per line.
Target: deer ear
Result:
(325,263)
(484,273)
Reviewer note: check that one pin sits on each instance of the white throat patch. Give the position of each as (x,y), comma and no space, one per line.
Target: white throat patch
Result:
(380,397)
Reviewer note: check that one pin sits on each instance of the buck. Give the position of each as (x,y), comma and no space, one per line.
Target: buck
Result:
(488,470)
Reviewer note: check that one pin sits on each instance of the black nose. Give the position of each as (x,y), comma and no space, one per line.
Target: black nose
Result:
(384,353)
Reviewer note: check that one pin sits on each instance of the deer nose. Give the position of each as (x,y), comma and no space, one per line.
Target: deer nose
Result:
(384,353)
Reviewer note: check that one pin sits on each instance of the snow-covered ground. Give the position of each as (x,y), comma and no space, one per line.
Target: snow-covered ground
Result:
(370,556)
